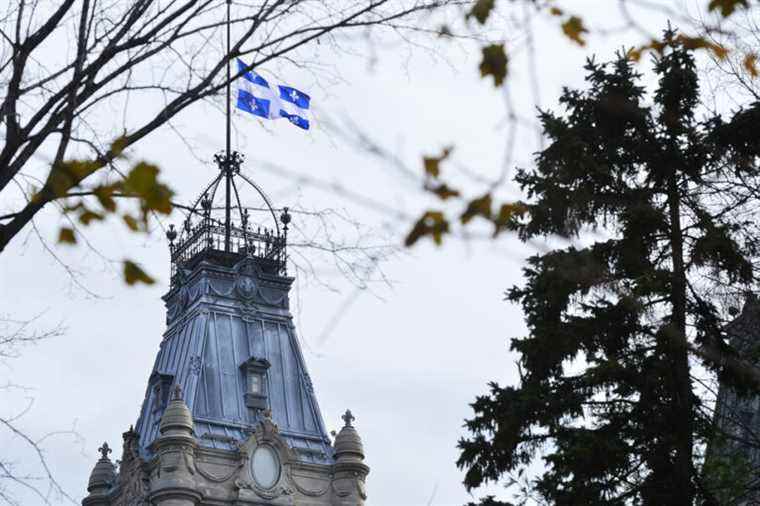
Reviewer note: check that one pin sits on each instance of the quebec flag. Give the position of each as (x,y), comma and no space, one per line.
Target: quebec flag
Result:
(257,97)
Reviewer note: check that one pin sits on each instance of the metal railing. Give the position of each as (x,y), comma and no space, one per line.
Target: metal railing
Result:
(208,237)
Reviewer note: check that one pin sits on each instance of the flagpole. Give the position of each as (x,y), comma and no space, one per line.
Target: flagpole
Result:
(228,158)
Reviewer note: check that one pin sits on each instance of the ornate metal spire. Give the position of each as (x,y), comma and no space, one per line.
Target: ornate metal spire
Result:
(221,230)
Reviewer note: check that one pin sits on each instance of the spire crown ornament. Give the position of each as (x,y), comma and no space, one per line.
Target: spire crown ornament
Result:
(104,451)
(348,417)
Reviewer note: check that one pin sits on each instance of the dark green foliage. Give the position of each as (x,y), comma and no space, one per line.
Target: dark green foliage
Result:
(657,201)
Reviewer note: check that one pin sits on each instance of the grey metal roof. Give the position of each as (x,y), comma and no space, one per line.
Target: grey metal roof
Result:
(218,317)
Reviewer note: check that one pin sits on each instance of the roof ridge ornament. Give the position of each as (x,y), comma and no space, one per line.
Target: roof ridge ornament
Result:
(348,417)
(104,451)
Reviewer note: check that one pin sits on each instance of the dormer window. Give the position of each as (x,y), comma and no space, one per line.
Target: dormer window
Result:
(255,380)
(255,370)
(161,386)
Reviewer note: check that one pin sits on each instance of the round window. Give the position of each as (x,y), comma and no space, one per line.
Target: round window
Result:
(265,467)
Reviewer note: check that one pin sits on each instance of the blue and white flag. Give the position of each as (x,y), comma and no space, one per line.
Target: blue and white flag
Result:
(257,97)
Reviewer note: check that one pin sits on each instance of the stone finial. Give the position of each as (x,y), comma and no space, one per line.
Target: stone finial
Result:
(177,418)
(267,414)
(104,451)
(103,474)
(348,445)
(348,417)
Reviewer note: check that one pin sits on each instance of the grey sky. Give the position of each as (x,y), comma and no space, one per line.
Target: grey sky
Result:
(407,361)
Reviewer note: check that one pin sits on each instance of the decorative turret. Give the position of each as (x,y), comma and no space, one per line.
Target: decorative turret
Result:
(101,479)
(350,470)
(173,484)
(348,445)
(176,420)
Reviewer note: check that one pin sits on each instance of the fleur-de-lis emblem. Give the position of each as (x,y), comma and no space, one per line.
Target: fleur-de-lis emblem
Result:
(104,450)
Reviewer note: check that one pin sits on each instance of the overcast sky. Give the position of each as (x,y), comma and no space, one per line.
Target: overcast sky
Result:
(406,359)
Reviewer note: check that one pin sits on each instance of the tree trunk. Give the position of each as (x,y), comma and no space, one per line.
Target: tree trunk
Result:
(678,356)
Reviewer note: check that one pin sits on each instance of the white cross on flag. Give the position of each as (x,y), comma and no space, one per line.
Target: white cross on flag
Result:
(256,97)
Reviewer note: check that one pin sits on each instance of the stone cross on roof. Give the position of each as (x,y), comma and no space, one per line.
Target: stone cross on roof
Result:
(104,450)
(348,417)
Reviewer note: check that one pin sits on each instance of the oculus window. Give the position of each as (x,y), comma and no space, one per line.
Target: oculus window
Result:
(265,467)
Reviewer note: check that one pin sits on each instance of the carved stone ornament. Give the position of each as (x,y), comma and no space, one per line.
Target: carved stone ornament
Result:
(267,441)
(133,480)
(245,279)
(346,487)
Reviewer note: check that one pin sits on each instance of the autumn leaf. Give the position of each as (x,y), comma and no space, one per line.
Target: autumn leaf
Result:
(507,217)
(701,43)
(494,63)
(432,163)
(118,146)
(574,30)
(480,206)
(66,175)
(443,191)
(142,181)
(481,10)
(131,222)
(134,274)
(634,54)
(87,216)
(433,224)
(66,236)
(727,7)
(104,194)
(750,64)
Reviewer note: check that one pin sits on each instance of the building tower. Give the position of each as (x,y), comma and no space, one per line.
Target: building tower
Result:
(230,415)
(733,456)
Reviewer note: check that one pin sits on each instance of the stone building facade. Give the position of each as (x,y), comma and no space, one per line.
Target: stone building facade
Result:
(734,453)
(230,416)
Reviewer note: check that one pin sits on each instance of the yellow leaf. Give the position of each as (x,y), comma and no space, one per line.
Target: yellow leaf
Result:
(727,7)
(432,163)
(494,63)
(104,194)
(131,222)
(433,224)
(66,235)
(720,51)
(66,175)
(507,217)
(701,43)
(142,181)
(634,55)
(750,64)
(134,274)
(481,10)
(480,206)
(556,11)
(118,146)
(574,30)
(87,216)
(443,191)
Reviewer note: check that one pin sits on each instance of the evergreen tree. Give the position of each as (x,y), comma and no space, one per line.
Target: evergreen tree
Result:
(657,202)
